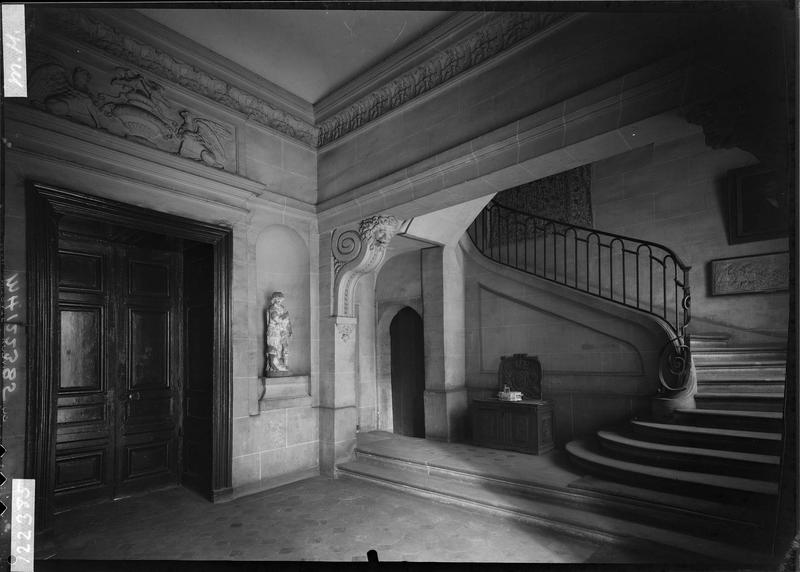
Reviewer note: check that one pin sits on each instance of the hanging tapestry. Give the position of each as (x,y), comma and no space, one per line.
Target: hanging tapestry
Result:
(565,197)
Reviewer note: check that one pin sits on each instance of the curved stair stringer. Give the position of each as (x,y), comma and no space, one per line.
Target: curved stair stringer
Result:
(652,339)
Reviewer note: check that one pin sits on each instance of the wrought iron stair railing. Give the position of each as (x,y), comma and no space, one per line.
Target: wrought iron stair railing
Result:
(635,273)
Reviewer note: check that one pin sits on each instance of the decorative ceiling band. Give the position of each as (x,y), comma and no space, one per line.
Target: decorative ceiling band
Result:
(100,35)
(486,42)
(501,33)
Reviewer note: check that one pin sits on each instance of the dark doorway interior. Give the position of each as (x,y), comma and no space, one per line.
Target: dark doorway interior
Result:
(135,374)
(198,387)
(408,373)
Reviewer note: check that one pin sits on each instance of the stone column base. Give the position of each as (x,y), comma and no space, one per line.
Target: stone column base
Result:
(337,437)
(446,414)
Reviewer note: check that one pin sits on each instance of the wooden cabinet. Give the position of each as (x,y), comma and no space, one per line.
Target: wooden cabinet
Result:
(525,426)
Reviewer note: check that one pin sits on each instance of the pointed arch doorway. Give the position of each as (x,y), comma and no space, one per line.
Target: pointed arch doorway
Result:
(408,373)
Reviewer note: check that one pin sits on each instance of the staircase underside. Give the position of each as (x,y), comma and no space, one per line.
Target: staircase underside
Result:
(551,491)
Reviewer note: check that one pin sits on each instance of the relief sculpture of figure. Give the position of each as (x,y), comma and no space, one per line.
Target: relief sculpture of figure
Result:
(279,330)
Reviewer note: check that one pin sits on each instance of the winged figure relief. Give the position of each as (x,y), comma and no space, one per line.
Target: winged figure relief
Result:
(202,139)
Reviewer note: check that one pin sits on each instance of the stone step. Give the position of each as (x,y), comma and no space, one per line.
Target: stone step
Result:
(749,401)
(770,373)
(615,520)
(723,386)
(735,463)
(751,357)
(770,421)
(705,341)
(765,442)
(692,482)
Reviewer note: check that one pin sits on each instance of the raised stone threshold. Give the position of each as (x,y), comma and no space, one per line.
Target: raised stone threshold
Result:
(543,490)
(284,392)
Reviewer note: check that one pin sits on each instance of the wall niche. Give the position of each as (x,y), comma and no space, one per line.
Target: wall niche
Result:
(282,265)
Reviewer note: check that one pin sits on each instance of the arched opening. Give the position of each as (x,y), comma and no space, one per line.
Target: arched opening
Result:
(408,373)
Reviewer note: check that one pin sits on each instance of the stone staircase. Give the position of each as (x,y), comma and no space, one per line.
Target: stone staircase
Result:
(727,449)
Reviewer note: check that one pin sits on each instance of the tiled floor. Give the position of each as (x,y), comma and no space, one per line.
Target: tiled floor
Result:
(318,519)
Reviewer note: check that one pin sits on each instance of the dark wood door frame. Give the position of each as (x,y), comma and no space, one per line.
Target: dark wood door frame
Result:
(45,205)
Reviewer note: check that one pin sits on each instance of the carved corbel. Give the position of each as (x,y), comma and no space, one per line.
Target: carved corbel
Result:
(355,253)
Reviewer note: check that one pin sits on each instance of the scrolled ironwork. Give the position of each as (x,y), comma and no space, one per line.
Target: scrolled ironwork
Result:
(674,365)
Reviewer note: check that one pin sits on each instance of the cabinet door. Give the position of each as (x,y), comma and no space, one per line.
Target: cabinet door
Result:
(487,428)
(521,428)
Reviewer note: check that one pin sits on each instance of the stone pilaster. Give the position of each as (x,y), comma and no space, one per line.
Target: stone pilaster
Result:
(445,358)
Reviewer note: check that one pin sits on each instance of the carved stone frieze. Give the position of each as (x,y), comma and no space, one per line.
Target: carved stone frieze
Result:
(499,34)
(750,274)
(355,253)
(130,106)
(79,25)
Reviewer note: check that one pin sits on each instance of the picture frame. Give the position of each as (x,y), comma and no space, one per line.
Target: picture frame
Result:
(757,205)
(753,274)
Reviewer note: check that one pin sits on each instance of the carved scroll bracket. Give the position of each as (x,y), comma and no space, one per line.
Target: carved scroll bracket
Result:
(345,328)
(355,253)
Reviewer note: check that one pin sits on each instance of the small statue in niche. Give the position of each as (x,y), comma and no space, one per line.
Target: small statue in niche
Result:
(279,330)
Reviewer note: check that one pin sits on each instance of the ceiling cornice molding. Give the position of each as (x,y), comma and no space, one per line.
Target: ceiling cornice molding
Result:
(499,33)
(106,33)
(149,31)
(416,53)
(457,46)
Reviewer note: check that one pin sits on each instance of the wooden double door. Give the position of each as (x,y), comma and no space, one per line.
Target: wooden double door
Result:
(119,405)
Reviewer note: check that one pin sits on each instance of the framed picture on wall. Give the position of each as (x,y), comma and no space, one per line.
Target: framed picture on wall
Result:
(757,205)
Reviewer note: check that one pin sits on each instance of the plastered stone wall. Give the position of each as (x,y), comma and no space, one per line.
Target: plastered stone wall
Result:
(272,444)
(280,163)
(598,360)
(675,194)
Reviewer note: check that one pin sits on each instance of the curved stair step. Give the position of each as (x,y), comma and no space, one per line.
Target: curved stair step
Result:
(771,373)
(767,442)
(752,465)
(770,421)
(740,401)
(701,342)
(740,356)
(584,454)
(741,386)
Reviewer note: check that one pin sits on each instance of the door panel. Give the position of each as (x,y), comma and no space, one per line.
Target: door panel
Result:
(84,428)
(80,271)
(147,279)
(149,354)
(149,346)
(80,470)
(81,348)
(117,420)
